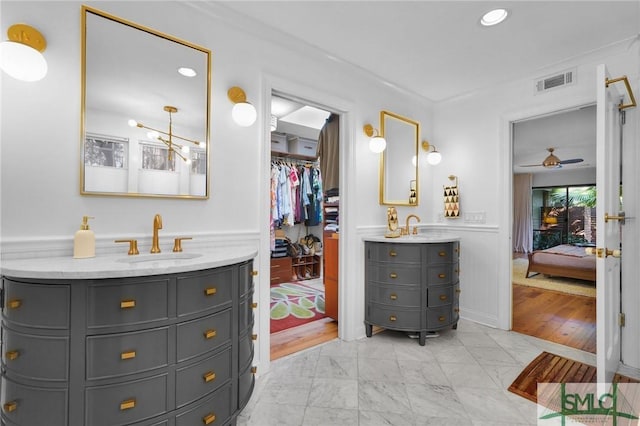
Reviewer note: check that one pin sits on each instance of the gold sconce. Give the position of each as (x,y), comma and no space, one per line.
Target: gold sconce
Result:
(171,145)
(21,56)
(243,113)
(377,143)
(433,156)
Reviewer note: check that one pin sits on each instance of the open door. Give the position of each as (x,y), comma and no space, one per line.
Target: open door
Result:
(609,223)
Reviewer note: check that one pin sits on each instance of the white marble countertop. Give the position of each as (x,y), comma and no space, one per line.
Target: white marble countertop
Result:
(421,238)
(122,265)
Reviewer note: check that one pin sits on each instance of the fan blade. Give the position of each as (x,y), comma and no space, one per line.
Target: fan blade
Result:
(530,165)
(572,161)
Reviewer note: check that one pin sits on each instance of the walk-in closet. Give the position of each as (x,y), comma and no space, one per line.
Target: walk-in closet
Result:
(304,225)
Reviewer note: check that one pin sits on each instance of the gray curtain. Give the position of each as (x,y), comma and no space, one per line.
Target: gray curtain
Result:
(522,220)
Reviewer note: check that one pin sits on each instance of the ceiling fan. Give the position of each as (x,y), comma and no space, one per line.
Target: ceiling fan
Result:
(553,162)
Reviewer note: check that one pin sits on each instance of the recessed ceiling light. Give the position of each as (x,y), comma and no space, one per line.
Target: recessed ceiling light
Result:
(494,17)
(187,72)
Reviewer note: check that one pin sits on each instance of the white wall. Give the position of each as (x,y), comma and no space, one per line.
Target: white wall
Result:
(41,205)
(586,176)
(473,134)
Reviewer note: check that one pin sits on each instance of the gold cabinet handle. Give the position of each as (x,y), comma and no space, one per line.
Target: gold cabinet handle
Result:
(458,291)
(14,304)
(128,355)
(10,406)
(442,253)
(254,305)
(11,355)
(456,310)
(128,404)
(443,297)
(392,253)
(393,296)
(254,370)
(254,337)
(210,334)
(127,304)
(393,275)
(210,291)
(209,418)
(442,318)
(442,275)
(254,273)
(393,318)
(209,376)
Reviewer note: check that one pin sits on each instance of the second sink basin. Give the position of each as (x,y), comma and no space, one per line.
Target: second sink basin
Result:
(163,257)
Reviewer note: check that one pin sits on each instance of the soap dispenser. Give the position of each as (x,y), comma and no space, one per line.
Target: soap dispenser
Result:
(84,242)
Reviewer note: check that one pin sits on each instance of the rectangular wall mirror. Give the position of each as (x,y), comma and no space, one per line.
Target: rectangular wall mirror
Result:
(399,161)
(145,111)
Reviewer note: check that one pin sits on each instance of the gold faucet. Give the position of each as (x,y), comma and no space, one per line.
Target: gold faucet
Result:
(157,224)
(406,228)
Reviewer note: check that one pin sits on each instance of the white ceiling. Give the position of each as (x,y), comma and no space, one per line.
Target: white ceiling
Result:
(438,49)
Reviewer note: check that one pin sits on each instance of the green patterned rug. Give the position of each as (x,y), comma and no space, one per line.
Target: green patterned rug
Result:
(294,304)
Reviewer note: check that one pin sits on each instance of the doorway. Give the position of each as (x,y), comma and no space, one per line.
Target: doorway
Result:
(303,226)
(553,169)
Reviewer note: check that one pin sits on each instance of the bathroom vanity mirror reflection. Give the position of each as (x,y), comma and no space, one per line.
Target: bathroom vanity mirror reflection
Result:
(399,162)
(145,111)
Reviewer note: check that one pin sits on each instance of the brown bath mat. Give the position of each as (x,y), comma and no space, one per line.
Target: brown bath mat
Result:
(550,368)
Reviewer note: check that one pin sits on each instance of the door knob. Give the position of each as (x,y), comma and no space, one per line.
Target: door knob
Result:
(614,253)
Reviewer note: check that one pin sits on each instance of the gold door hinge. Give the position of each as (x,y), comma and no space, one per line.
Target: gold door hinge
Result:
(621,319)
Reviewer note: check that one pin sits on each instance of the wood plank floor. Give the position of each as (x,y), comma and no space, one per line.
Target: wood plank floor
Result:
(566,319)
(295,339)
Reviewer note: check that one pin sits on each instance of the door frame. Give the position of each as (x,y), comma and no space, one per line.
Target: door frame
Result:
(505,249)
(325,99)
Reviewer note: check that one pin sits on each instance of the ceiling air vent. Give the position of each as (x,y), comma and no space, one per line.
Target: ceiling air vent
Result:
(554,81)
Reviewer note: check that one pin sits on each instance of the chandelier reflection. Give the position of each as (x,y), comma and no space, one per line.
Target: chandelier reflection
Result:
(168,137)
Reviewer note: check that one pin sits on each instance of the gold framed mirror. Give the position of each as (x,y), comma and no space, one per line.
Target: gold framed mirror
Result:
(399,161)
(145,111)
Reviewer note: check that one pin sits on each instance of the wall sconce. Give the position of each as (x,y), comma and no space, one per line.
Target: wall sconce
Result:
(243,113)
(21,55)
(377,143)
(171,145)
(433,156)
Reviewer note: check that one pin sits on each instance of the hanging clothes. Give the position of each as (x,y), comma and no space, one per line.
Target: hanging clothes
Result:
(328,151)
(296,194)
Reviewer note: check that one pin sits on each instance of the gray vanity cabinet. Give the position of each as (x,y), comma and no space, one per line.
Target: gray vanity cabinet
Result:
(411,287)
(170,350)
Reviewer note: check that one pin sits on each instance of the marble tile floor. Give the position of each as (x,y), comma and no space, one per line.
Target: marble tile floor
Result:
(458,378)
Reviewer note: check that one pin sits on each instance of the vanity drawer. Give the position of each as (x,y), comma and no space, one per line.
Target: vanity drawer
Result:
(439,295)
(245,387)
(442,253)
(36,357)
(246,312)
(245,350)
(202,335)
(205,376)
(245,284)
(36,305)
(406,296)
(125,353)
(30,405)
(126,403)
(390,252)
(442,274)
(215,410)
(205,291)
(440,317)
(127,304)
(394,274)
(394,318)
